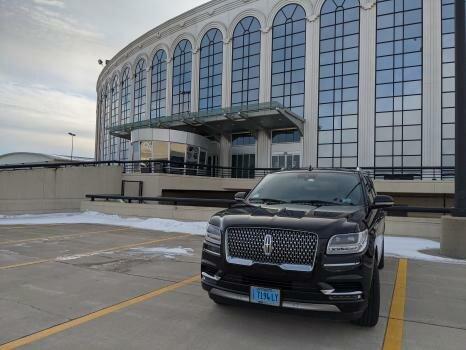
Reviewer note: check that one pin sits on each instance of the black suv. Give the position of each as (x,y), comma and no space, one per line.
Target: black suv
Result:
(303,239)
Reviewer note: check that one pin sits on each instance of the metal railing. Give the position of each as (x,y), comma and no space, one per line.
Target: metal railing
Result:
(206,202)
(155,166)
(411,173)
(193,169)
(212,202)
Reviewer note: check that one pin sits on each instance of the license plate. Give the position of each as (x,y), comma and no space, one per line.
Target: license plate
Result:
(265,296)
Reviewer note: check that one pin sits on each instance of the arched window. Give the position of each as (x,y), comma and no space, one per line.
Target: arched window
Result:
(182,66)
(245,73)
(140,91)
(107,123)
(288,58)
(102,122)
(125,96)
(159,85)
(114,116)
(339,84)
(210,71)
(398,96)
(125,110)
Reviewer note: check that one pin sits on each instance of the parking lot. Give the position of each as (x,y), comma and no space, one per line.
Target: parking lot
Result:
(88,286)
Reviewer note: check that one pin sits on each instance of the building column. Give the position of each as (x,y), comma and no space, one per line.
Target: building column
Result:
(224,158)
(263,149)
(266,65)
(432,83)
(311,105)
(169,100)
(366,118)
(195,81)
(226,73)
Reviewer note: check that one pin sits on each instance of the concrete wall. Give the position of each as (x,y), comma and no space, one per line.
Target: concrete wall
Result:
(176,212)
(395,226)
(154,183)
(54,190)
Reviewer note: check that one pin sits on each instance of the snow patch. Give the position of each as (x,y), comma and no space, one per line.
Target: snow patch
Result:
(165,251)
(156,224)
(412,248)
(402,247)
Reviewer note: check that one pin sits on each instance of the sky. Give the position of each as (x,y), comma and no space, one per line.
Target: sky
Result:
(48,65)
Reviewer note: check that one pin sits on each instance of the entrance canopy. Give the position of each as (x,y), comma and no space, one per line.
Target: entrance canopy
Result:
(266,116)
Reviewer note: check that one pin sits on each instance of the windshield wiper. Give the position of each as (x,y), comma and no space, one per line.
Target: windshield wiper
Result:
(267,200)
(314,202)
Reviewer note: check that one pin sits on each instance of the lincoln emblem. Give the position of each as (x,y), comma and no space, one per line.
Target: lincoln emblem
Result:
(267,245)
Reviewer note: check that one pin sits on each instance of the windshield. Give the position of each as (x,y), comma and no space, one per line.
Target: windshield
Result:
(312,188)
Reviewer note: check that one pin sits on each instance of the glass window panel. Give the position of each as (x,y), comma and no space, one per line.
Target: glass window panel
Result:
(289,60)
(398,74)
(160,150)
(140,81)
(177,152)
(181,88)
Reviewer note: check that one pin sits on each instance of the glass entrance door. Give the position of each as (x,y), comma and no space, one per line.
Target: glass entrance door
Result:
(286,160)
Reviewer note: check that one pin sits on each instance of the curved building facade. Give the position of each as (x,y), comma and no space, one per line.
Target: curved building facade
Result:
(263,83)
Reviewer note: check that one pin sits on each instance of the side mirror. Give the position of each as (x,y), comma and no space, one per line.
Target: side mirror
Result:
(239,196)
(382,201)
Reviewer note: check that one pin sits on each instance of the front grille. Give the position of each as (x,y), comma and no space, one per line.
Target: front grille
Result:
(290,249)
(270,283)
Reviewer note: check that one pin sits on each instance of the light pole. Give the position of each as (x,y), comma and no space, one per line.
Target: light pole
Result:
(460,116)
(72,143)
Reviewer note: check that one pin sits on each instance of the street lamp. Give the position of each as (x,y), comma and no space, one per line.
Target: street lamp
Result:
(72,143)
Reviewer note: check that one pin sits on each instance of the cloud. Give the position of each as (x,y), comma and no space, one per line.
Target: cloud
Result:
(53,3)
(40,118)
(58,21)
(49,70)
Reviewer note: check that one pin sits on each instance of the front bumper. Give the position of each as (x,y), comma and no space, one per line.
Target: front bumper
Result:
(338,286)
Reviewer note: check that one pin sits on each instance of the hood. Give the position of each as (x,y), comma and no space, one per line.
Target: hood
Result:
(323,220)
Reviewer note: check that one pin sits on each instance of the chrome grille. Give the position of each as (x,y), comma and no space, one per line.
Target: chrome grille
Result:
(291,249)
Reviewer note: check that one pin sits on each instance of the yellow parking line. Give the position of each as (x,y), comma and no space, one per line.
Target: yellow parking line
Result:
(121,247)
(35,262)
(394,333)
(97,314)
(58,236)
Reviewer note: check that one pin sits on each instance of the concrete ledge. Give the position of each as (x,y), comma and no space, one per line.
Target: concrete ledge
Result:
(396,226)
(453,240)
(39,206)
(413,227)
(176,212)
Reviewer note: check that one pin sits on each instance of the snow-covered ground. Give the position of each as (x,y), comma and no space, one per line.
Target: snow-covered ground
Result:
(165,225)
(407,247)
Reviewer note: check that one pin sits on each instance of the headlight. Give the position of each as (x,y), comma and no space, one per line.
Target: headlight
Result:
(351,243)
(213,234)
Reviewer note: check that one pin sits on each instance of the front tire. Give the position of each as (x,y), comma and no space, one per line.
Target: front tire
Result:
(370,317)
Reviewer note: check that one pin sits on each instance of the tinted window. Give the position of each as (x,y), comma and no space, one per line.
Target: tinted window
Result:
(140,82)
(288,56)
(159,84)
(339,80)
(182,64)
(210,71)
(448,87)
(398,120)
(246,62)
(339,188)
